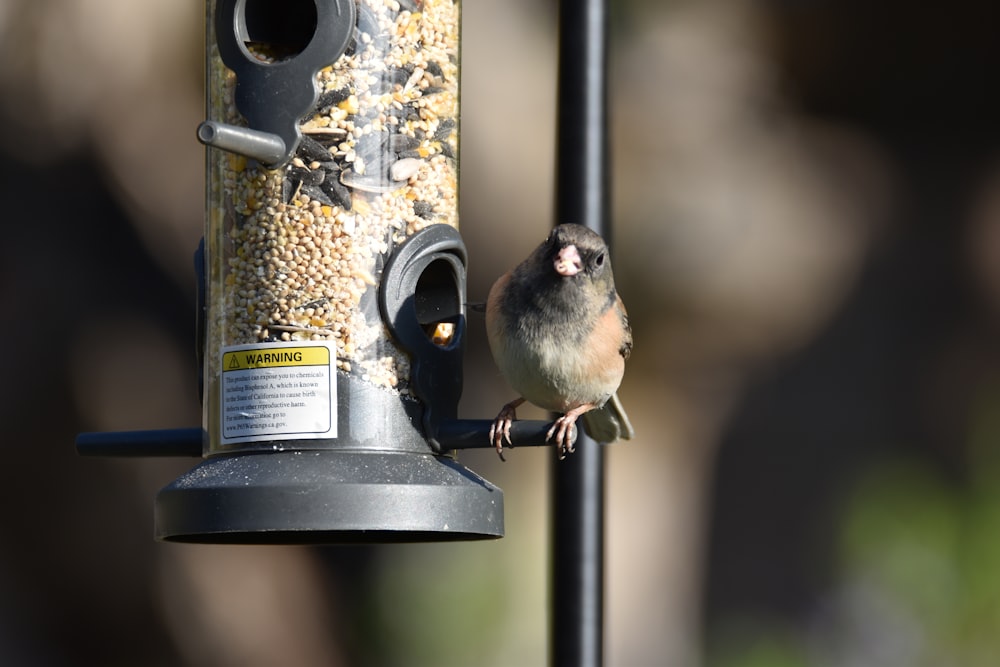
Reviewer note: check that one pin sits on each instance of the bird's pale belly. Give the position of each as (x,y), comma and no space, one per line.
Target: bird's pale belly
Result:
(554,376)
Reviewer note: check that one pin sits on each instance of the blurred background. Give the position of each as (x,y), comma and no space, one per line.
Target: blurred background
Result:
(807,235)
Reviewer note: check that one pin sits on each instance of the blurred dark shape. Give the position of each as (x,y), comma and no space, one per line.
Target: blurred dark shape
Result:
(897,373)
(76,560)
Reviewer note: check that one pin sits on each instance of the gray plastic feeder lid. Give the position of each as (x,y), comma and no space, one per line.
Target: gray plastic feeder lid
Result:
(326,497)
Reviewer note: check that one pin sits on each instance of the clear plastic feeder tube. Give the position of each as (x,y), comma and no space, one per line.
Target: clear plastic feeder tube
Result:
(295,252)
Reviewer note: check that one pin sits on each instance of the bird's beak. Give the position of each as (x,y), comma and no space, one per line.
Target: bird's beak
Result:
(568,262)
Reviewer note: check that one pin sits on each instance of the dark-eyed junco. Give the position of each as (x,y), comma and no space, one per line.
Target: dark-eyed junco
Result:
(560,336)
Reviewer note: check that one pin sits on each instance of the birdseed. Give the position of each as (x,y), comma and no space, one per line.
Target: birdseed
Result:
(296,253)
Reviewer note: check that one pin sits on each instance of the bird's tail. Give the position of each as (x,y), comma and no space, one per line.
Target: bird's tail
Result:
(609,422)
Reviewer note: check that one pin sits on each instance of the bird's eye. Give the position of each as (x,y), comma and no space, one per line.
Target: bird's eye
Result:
(599,260)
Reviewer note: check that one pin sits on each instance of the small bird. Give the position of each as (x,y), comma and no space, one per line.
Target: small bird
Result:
(559,333)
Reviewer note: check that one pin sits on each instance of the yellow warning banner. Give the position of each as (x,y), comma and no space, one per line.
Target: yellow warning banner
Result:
(279,357)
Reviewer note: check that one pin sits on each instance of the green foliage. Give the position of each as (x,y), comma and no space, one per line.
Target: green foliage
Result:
(918,578)
(438,605)
(757,642)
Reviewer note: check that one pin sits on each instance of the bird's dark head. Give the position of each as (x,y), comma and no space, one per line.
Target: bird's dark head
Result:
(566,278)
(569,273)
(575,252)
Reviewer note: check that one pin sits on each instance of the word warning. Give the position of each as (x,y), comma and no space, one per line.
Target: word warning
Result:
(279,391)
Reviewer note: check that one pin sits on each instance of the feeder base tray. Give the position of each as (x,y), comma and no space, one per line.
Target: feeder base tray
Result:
(328,497)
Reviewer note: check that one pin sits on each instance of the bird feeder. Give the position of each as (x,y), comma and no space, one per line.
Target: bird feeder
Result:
(332,286)
(332,297)
(334,315)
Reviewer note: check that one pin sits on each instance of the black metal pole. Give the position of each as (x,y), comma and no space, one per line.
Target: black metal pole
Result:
(577,582)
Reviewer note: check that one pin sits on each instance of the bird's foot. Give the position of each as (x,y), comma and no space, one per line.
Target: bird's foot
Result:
(500,429)
(564,430)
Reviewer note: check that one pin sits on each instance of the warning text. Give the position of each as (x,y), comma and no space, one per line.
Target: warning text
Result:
(278,394)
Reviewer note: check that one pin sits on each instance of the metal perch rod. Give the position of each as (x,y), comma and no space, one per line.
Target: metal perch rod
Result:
(454,434)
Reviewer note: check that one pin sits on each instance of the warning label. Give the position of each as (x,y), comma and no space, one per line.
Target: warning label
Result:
(278,391)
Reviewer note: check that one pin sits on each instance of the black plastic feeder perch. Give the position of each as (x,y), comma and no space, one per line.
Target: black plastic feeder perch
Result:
(333,278)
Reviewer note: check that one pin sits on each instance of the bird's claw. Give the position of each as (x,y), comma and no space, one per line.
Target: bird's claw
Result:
(500,429)
(564,430)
